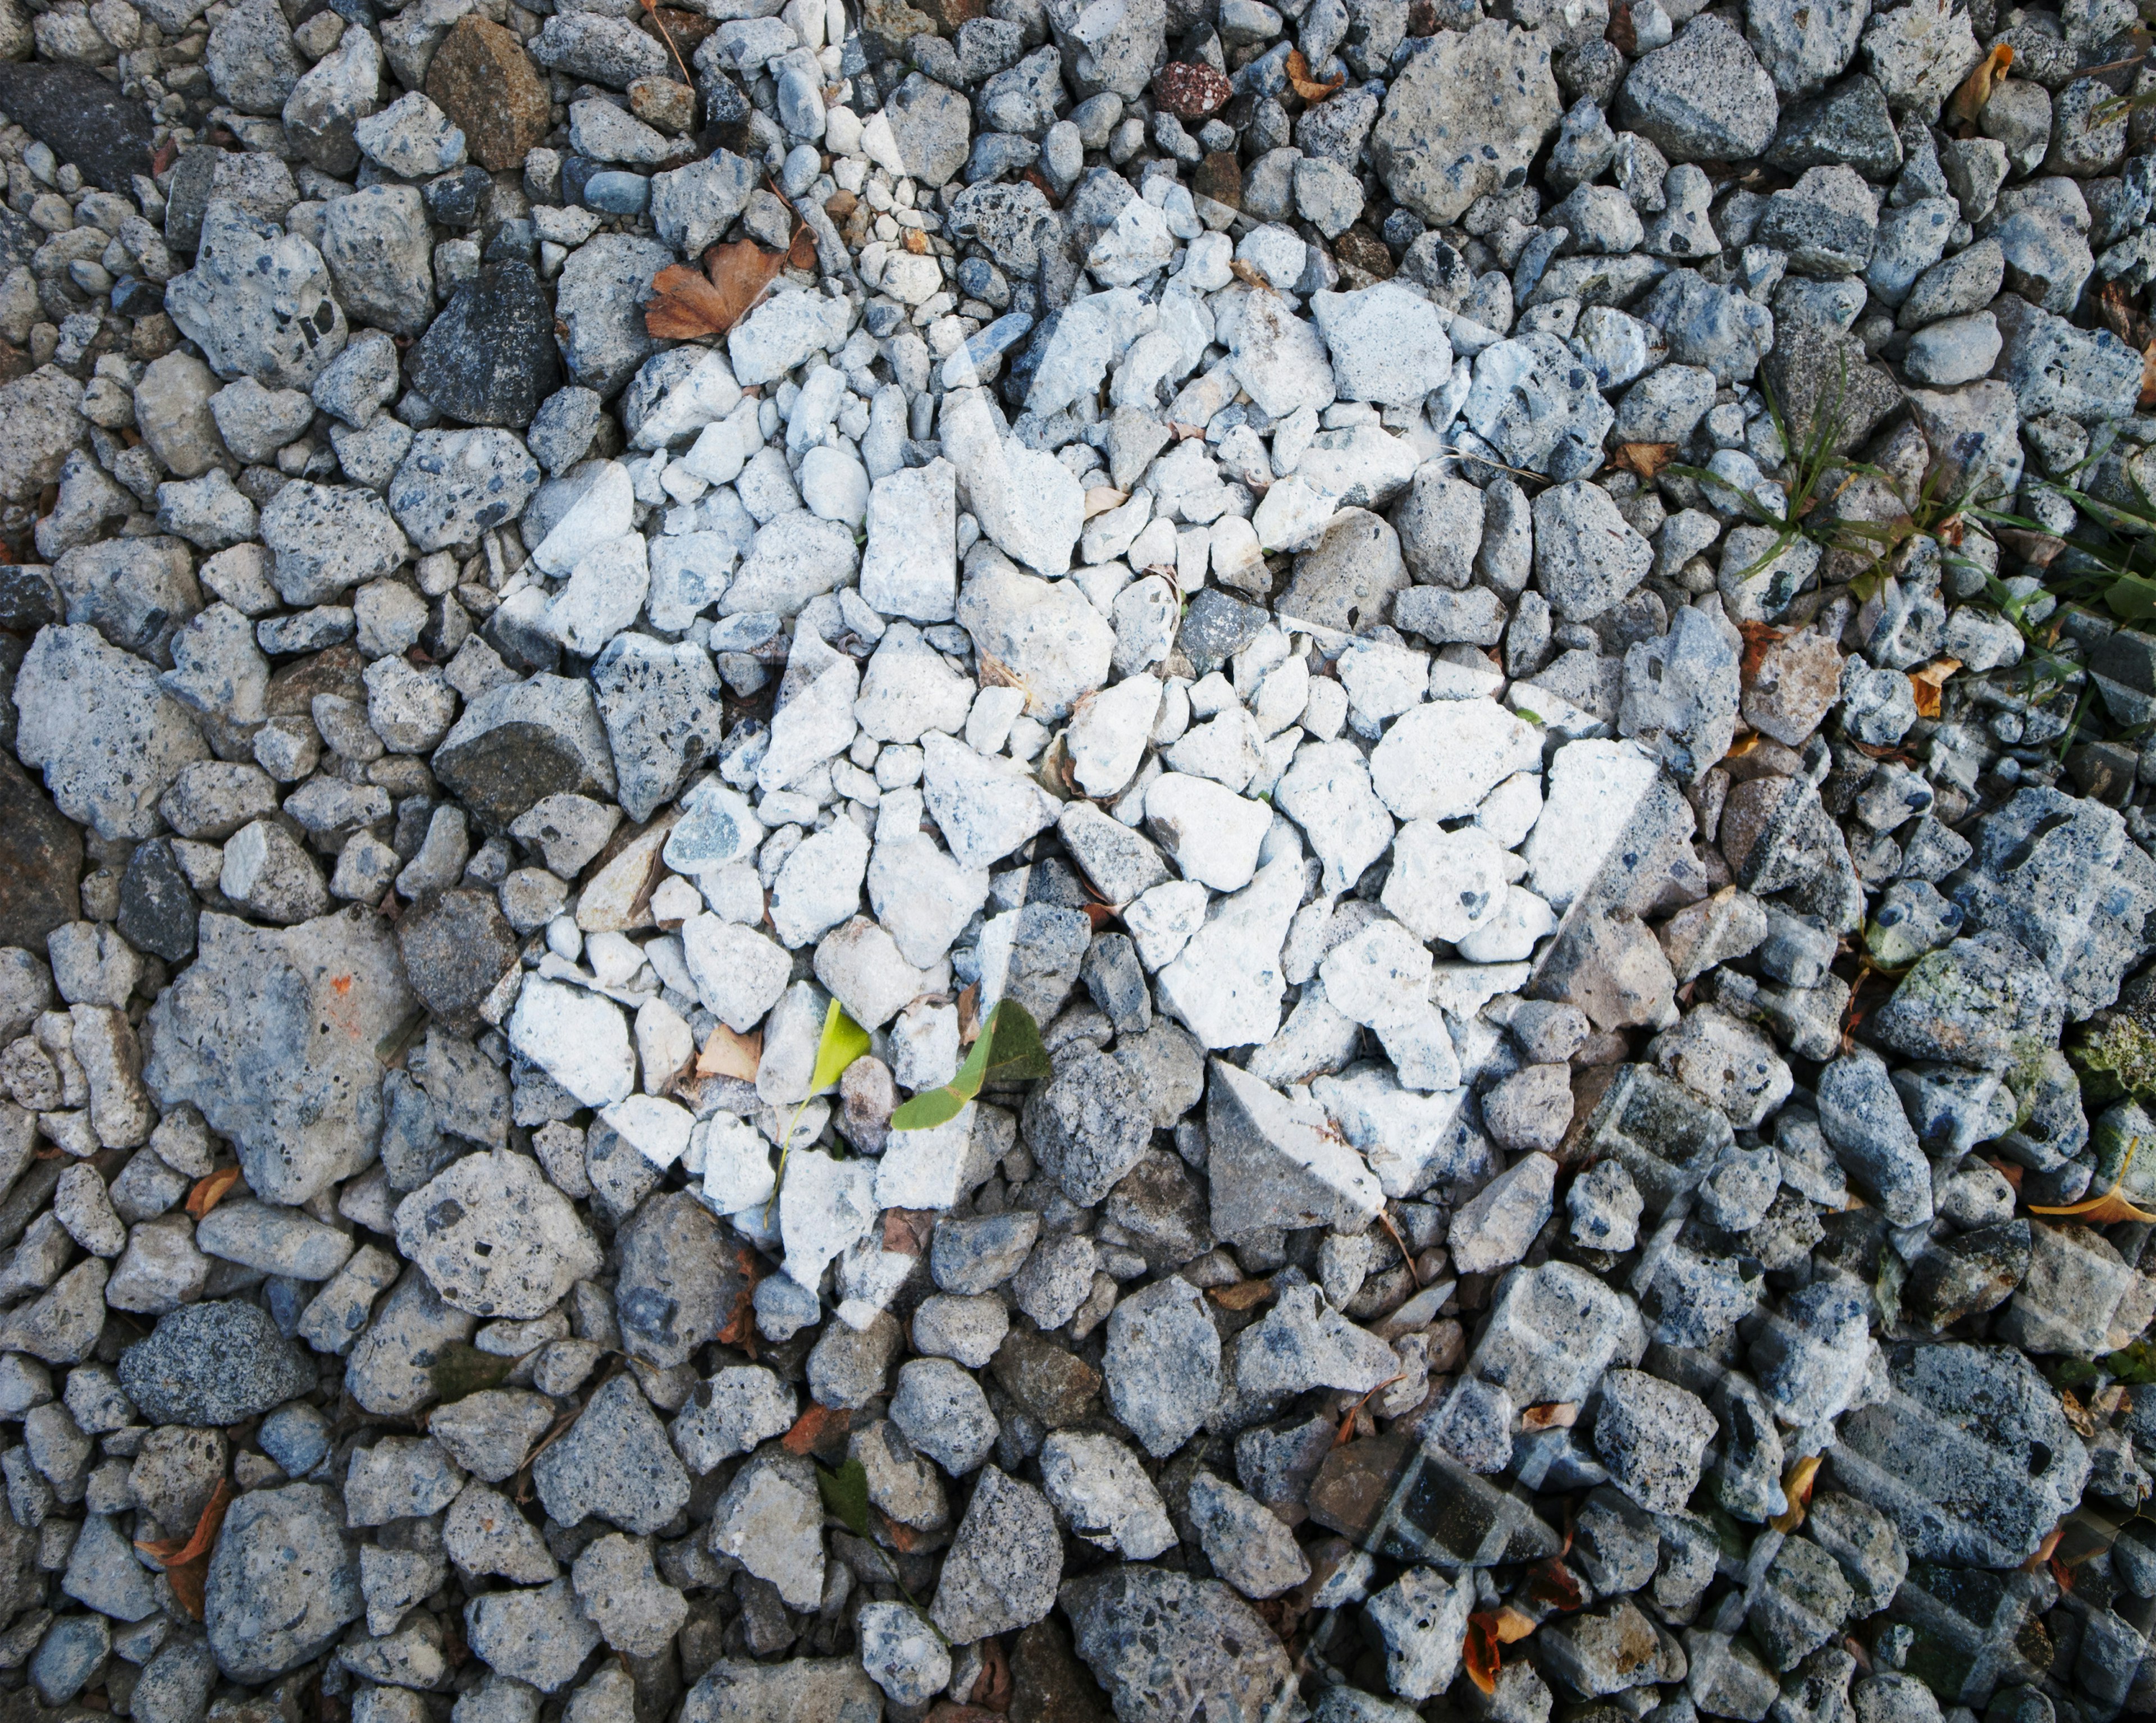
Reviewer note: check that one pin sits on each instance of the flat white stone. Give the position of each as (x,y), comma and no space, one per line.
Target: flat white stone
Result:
(1211,833)
(1593,787)
(1439,761)
(578,1038)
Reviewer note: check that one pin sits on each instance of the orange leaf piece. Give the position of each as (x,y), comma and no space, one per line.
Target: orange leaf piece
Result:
(727,1054)
(1242,1296)
(2105,1210)
(812,1427)
(688,303)
(210,1191)
(1480,1654)
(1306,86)
(186,1560)
(1797,1486)
(1927,683)
(1646,459)
(1553,1583)
(1514,1624)
(2148,375)
(1550,1415)
(1976,89)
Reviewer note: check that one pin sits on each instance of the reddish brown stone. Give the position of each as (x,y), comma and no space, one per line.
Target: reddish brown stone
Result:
(484,80)
(40,862)
(1219,176)
(948,14)
(1365,250)
(1190,89)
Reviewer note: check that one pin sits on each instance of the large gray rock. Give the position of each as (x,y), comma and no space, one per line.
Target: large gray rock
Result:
(214,1364)
(1704,98)
(109,740)
(274,1036)
(1166,1645)
(282,1583)
(258,301)
(1464,114)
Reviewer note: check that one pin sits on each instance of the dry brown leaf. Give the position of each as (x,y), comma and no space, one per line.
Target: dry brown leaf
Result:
(1250,275)
(1550,1415)
(1758,637)
(1976,89)
(906,1231)
(1101,498)
(2076,1413)
(727,1054)
(1184,433)
(1480,1654)
(688,303)
(1552,1583)
(993,1690)
(1242,1296)
(1306,86)
(1646,459)
(1927,683)
(810,1428)
(210,1191)
(186,1560)
(739,1329)
(2149,376)
(2104,1211)
(2044,1550)
(801,250)
(969,1015)
(1513,1625)
(1797,1486)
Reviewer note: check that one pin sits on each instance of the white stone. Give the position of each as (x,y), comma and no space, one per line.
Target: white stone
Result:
(604,512)
(908,568)
(1439,761)
(1444,885)
(1225,986)
(739,973)
(985,807)
(657,1130)
(578,1039)
(1109,731)
(1212,833)
(605,592)
(1594,786)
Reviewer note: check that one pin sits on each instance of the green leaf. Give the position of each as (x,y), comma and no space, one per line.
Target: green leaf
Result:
(1532,717)
(1016,1053)
(460,1368)
(929,1108)
(842,1042)
(845,1493)
(1009,1050)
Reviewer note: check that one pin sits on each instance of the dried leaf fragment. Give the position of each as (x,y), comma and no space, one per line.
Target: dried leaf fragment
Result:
(1550,1415)
(210,1190)
(1306,86)
(186,1560)
(688,303)
(2104,1211)
(1797,1486)
(1646,459)
(1976,89)
(727,1054)
(1926,684)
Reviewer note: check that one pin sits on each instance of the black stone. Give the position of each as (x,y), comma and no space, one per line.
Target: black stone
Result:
(453,199)
(456,947)
(188,195)
(28,600)
(134,297)
(40,862)
(1216,628)
(1849,124)
(214,1364)
(490,357)
(1967,1273)
(85,120)
(158,906)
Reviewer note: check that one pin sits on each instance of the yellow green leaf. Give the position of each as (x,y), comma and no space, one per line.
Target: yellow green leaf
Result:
(842,1042)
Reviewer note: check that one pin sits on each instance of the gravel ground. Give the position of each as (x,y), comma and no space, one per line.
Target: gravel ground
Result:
(1286,863)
